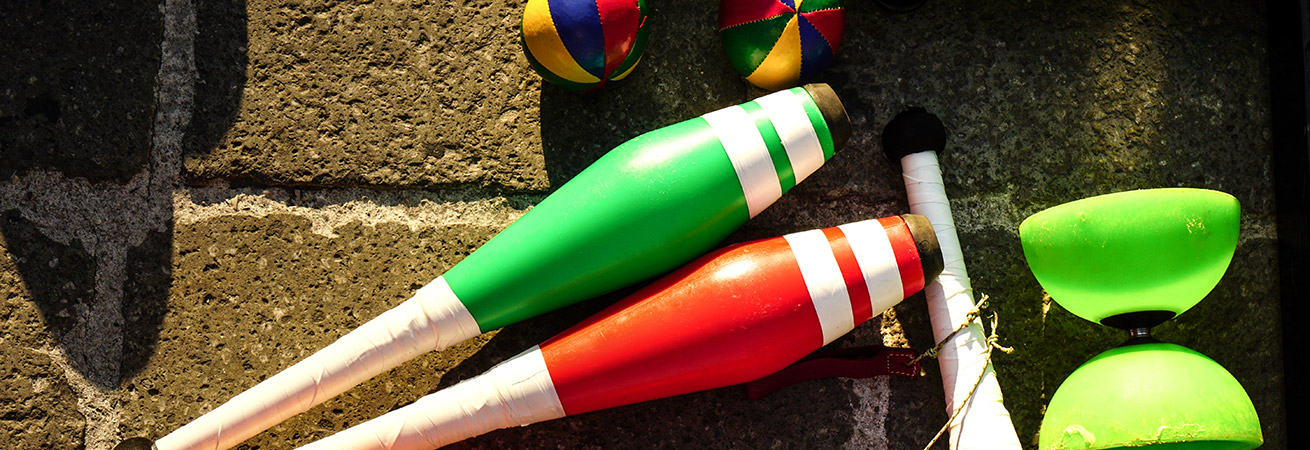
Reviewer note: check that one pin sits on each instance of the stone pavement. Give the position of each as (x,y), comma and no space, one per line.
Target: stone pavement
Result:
(195,194)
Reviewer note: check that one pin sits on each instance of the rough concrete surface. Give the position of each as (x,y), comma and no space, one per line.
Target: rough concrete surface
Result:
(75,74)
(195,194)
(392,93)
(38,407)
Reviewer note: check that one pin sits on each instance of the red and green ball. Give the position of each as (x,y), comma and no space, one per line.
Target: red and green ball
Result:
(580,45)
(777,44)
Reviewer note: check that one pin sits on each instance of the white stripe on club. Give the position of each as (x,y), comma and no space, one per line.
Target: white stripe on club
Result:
(749,156)
(786,111)
(824,281)
(873,251)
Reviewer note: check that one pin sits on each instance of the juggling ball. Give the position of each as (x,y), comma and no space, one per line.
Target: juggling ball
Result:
(778,44)
(581,45)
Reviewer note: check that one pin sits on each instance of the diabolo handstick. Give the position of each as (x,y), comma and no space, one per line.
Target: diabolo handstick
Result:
(914,137)
(732,316)
(648,206)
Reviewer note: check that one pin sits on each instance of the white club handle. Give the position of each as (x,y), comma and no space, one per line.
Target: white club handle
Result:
(985,423)
(431,320)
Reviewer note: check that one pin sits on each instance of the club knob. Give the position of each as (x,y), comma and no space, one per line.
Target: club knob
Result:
(834,114)
(925,239)
(912,131)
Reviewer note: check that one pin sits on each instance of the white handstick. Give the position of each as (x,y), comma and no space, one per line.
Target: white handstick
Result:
(984,423)
(431,320)
(516,392)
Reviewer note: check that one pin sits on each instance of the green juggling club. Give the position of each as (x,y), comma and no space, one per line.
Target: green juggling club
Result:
(646,207)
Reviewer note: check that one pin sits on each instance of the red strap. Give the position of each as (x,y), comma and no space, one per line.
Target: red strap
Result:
(853,362)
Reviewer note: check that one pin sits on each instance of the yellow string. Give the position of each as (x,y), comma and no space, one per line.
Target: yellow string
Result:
(968,320)
(993,342)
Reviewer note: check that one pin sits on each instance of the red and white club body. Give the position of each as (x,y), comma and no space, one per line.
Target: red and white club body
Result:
(732,316)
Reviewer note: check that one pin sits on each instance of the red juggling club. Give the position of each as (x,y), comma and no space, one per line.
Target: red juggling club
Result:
(732,316)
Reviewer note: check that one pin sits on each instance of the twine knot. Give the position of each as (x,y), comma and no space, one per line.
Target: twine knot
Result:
(993,342)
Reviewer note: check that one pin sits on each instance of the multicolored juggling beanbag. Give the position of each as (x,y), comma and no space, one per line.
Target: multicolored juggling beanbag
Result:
(777,44)
(582,44)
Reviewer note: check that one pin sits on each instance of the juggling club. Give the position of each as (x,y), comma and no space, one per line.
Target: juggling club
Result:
(914,137)
(732,316)
(648,206)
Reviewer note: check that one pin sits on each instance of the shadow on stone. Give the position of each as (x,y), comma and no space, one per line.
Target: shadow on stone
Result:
(683,74)
(60,278)
(79,130)
(221,72)
(145,298)
(79,87)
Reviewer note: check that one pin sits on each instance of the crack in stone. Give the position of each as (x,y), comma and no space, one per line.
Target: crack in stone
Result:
(329,209)
(870,415)
(96,403)
(107,219)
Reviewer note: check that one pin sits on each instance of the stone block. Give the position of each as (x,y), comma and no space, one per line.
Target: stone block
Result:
(78,90)
(411,93)
(38,406)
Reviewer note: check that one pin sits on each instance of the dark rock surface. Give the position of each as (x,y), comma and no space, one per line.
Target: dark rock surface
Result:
(77,87)
(38,406)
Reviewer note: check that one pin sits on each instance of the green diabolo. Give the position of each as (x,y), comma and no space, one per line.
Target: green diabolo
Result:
(650,205)
(1133,260)
(1106,257)
(1157,394)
